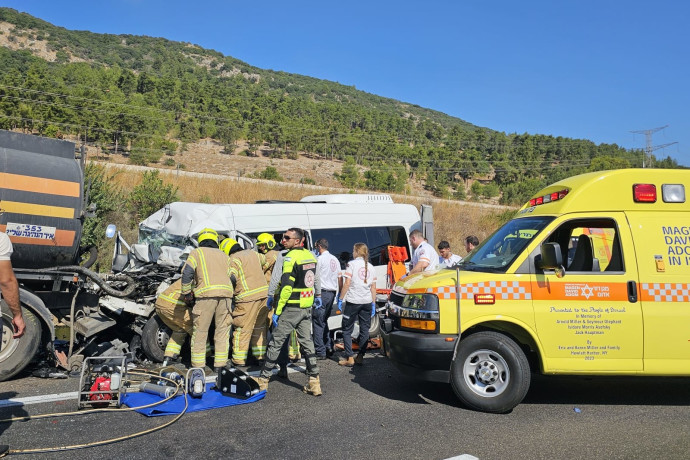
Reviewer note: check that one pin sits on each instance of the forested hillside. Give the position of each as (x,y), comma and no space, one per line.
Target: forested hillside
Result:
(149,97)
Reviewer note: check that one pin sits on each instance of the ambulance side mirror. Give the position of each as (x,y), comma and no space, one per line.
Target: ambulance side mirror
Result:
(552,258)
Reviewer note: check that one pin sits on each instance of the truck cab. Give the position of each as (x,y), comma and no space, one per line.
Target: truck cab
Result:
(590,277)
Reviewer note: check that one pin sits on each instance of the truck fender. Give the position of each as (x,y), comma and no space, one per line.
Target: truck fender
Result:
(35,304)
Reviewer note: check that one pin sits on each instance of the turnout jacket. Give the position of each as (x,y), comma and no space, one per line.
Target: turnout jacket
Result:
(206,274)
(247,275)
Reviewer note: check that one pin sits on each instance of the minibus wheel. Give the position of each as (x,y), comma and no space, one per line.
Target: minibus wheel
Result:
(154,338)
(490,372)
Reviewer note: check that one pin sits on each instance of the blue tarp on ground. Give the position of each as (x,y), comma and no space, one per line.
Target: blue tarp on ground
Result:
(212,399)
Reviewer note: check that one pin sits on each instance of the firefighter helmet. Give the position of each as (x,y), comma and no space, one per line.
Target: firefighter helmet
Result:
(227,244)
(207,234)
(267,239)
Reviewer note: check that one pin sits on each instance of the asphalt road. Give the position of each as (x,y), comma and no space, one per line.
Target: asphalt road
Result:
(373,411)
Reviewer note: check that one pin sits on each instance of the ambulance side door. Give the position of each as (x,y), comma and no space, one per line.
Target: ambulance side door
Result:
(590,319)
(662,242)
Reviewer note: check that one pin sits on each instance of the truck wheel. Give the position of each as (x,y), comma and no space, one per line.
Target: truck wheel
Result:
(154,338)
(490,372)
(15,354)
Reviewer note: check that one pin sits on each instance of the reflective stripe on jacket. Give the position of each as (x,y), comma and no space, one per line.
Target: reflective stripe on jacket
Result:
(247,267)
(172,296)
(297,282)
(206,273)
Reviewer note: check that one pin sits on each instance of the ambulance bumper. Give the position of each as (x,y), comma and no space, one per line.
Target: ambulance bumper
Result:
(423,356)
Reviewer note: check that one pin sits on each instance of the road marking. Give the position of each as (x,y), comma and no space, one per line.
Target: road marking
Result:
(463,457)
(40,399)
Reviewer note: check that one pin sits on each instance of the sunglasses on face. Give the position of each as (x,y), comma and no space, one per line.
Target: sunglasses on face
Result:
(288,237)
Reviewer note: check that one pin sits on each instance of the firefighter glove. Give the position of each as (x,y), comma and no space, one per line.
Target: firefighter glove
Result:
(373,309)
(317,303)
(269,303)
(189,299)
(275,320)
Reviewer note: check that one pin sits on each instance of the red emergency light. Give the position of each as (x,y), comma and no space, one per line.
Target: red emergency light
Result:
(644,193)
(548,198)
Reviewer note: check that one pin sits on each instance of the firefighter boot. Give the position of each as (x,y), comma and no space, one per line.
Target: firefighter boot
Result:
(262,381)
(313,387)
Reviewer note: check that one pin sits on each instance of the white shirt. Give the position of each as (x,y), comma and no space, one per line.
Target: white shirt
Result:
(5,247)
(449,262)
(328,266)
(425,252)
(360,286)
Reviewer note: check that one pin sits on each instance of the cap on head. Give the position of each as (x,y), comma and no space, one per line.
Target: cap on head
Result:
(227,244)
(207,234)
(267,239)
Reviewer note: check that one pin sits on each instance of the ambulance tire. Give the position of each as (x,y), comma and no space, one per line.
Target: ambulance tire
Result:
(16,354)
(490,373)
(154,338)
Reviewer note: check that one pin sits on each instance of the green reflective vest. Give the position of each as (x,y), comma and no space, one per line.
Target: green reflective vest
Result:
(297,282)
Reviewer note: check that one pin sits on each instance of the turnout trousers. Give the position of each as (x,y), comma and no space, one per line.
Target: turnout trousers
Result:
(204,312)
(298,319)
(179,319)
(249,330)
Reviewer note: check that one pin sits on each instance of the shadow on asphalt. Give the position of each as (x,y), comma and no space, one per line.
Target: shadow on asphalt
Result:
(657,391)
(380,377)
(10,411)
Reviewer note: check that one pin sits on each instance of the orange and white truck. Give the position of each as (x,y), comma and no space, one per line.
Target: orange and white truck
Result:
(592,276)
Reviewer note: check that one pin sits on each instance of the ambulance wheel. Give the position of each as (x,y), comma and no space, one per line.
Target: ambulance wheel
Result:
(15,354)
(154,338)
(490,372)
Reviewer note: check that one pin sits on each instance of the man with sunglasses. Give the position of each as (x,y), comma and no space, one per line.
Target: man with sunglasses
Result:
(299,290)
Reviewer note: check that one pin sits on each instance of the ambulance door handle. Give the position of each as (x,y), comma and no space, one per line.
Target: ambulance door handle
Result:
(632,291)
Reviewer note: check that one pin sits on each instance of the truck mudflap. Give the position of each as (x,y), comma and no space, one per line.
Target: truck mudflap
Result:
(424,356)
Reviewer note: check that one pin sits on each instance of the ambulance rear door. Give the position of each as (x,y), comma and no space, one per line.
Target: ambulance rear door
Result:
(590,319)
(662,242)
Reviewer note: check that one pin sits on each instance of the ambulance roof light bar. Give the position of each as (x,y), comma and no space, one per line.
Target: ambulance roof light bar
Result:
(548,198)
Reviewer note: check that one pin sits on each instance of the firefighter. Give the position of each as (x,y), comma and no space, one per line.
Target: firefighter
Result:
(173,311)
(296,295)
(206,288)
(249,312)
(266,244)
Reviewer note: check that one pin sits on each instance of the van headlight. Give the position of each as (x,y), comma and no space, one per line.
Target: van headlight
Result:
(421,302)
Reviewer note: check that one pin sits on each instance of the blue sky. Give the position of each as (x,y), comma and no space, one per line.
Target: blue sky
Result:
(583,69)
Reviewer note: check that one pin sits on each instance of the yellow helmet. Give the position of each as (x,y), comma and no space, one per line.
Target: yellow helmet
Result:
(227,244)
(207,234)
(267,239)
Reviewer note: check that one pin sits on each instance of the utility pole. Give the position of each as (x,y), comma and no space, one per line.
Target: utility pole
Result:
(648,142)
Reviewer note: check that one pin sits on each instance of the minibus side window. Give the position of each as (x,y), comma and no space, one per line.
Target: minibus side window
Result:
(341,241)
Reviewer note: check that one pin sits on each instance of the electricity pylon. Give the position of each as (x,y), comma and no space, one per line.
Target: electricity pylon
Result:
(648,144)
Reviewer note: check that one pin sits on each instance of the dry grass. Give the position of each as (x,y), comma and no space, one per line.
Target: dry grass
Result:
(453,220)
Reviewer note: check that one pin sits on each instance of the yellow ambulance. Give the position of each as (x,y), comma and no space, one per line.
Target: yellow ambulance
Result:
(592,276)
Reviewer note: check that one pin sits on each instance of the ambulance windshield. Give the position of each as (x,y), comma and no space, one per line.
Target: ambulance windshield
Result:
(498,252)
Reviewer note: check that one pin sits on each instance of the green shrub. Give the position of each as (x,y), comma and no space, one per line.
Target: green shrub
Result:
(270,173)
(151,195)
